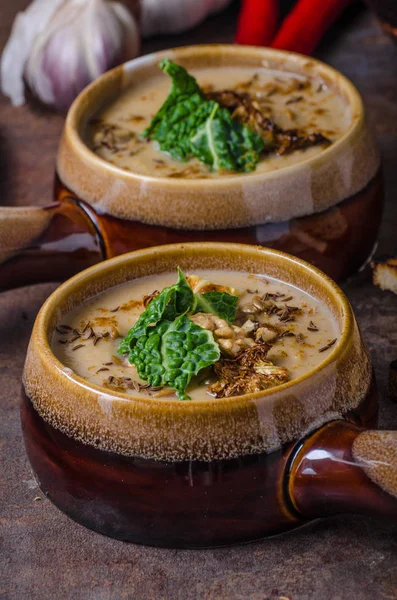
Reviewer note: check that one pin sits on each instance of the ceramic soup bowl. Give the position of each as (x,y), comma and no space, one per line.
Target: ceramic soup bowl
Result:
(207,472)
(324,208)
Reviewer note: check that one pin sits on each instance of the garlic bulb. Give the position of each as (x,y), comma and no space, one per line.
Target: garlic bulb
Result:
(174,16)
(59,46)
(27,26)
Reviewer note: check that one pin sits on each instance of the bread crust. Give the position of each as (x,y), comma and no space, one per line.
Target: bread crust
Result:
(385,274)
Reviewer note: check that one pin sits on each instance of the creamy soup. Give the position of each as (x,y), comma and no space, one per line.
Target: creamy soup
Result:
(297,331)
(292,101)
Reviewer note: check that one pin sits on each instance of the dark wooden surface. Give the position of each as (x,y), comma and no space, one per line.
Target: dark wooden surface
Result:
(43,554)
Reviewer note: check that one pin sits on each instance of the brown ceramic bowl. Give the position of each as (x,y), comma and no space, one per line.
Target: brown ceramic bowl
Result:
(325,209)
(203,473)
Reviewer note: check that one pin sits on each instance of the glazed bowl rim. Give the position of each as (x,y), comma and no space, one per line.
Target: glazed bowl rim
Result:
(50,306)
(89,157)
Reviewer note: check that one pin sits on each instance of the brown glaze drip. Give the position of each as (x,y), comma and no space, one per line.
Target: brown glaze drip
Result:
(338,241)
(184,504)
(202,503)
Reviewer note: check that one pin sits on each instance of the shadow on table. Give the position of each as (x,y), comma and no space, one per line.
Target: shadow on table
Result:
(4,167)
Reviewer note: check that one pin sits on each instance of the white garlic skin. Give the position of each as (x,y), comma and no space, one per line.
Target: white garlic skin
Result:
(81,40)
(60,46)
(26,27)
(84,39)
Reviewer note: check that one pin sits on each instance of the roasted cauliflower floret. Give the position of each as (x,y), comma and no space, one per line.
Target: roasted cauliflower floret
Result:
(266,334)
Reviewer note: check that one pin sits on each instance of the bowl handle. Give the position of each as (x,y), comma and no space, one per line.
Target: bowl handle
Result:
(49,243)
(344,468)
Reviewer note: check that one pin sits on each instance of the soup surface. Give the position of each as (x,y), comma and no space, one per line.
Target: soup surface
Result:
(292,101)
(298,330)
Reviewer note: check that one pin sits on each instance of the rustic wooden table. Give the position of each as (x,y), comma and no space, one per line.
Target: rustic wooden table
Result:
(43,554)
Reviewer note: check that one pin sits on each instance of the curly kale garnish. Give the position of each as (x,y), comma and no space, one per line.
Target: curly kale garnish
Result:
(173,301)
(172,352)
(176,300)
(222,304)
(224,143)
(176,120)
(188,124)
(166,347)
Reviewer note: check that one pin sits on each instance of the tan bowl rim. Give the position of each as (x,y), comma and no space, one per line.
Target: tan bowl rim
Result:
(73,120)
(50,306)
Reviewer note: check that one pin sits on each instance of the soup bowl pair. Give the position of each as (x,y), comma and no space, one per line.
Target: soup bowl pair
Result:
(207,472)
(325,208)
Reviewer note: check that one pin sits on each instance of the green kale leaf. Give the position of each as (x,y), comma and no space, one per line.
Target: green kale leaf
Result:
(183,86)
(224,143)
(165,346)
(188,124)
(145,354)
(181,114)
(218,303)
(172,352)
(172,302)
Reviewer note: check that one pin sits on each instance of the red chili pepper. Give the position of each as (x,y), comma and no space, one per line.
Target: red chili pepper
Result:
(306,24)
(257,22)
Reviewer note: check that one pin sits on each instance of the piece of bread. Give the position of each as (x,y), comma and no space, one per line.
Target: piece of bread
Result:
(385,274)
